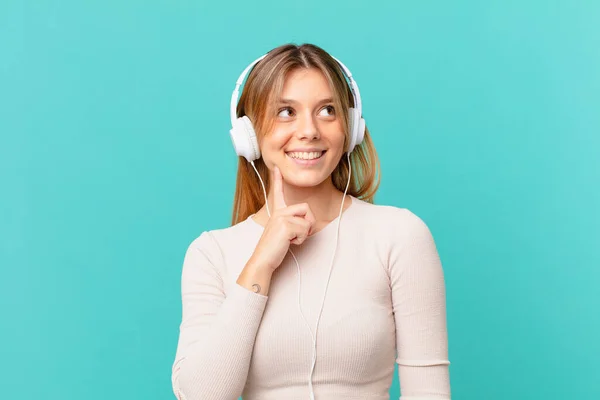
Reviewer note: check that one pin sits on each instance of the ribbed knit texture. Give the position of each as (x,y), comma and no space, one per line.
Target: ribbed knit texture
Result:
(385,304)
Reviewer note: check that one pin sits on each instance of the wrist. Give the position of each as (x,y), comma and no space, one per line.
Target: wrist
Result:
(256,278)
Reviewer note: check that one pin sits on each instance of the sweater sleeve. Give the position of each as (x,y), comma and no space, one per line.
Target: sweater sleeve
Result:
(217,330)
(419,304)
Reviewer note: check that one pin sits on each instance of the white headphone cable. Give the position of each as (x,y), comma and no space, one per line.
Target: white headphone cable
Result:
(313,336)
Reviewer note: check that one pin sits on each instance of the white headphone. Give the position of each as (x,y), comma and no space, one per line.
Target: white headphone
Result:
(245,143)
(242,131)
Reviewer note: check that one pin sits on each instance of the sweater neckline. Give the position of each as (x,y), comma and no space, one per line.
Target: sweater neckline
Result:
(326,228)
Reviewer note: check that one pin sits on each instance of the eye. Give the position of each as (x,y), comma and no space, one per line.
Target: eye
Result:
(330,108)
(284,109)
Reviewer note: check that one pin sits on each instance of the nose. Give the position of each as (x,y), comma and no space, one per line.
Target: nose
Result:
(307,129)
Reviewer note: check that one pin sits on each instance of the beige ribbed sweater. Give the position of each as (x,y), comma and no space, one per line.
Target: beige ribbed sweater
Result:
(385,303)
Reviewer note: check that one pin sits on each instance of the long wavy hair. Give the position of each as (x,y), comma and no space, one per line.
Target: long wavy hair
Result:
(258,101)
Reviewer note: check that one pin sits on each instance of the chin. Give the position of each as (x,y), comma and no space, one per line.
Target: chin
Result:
(307,184)
(307,178)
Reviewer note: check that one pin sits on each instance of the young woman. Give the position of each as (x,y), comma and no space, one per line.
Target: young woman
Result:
(314,291)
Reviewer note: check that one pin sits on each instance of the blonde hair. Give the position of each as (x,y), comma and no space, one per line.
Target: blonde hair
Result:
(258,101)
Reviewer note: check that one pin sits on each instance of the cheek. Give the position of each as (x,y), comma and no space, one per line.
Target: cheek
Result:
(278,138)
(338,143)
(337,136)
(271,147)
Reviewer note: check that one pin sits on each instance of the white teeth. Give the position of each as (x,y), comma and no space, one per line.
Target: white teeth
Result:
(306,156)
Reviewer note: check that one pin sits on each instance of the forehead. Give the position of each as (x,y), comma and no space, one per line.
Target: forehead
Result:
(305,83)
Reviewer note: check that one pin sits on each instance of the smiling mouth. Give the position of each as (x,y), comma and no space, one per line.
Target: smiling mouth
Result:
(306,156)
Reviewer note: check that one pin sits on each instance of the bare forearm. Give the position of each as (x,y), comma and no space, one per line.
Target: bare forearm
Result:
(255,277)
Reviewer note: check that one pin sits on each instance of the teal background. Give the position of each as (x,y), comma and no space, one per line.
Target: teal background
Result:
(115,154)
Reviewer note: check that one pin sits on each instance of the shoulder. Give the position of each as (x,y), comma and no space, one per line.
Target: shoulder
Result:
(401,238)
(396,231)
(213,241)
(391,220)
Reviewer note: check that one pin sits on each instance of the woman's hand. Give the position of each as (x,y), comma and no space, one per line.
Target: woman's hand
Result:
(286,225)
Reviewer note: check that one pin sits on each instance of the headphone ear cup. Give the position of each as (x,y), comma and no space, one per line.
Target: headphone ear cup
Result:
(244,139)
(252,139)
(360,135)
(357,129)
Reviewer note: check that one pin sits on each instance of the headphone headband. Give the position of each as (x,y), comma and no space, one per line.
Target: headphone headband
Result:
(234,96)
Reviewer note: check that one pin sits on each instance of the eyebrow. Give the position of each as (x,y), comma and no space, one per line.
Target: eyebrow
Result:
(291,101)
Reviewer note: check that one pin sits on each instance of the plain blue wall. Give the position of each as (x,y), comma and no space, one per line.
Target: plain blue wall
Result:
(115,154)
